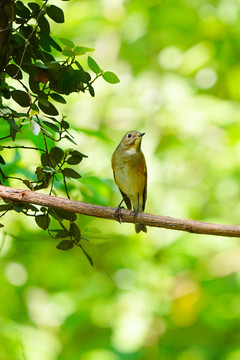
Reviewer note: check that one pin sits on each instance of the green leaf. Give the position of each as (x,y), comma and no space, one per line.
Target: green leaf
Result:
(77,153)
(54,44)
(48,169)
(74,160)
(62,234)
(39,173)
(2,160)
(67,42)
(13,125)
(5,207)
(21,97)
(68,52)
(56,154)
(65,245)
(70,173)
(51,126)
(58,98)
(45,28)
(65,124)
(19,207)
(55,13)
(42,221)
(21,10)
(91,90)
(48,108)
(93,65)
(63,214)
(87,256)
(70,139)
(44,159)
(14,71)
(110,77)
(80,50)
(13,134)
(75,231)
(28,184)
(33,6)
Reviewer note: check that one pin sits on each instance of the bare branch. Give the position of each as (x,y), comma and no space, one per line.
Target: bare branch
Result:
(192,226)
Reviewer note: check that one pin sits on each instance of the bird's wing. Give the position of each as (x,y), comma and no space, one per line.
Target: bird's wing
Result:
(126,200)
(145,188)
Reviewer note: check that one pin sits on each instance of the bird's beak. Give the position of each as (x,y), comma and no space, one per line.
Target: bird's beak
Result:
(140,135)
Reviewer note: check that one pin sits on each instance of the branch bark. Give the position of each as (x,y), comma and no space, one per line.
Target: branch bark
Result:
(192,226)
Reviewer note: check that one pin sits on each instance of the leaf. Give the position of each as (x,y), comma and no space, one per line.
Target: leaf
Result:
(48,108)
(65,245)
(39,173)
(5,207)
(110,77)
(70,139)
(55,13)
(74,160)
(28,184)
(14,71)
(13,134)
(58,98)
(34,127)
(48,169)
(62,234)
(67,42)
(51,126)
(44,159)
(44,26)
(42,221)
(21,97)
(77,153)
(87,256)
(70,173)
(21,10)
(80,50)
(33,6)
(65,124)
(75,231)
(56,154)
(19,207)
(93,65)
(13,125)
(68,52)
(91,90)
(2,161)
(63,214)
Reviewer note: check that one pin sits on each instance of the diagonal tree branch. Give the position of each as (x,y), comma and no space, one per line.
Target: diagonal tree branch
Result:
(192,226)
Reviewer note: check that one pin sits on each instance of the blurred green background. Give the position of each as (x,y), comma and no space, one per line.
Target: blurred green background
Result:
(164,294)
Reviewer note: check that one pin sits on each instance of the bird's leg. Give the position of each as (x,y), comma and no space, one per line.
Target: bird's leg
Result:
(135,212)
(117,213)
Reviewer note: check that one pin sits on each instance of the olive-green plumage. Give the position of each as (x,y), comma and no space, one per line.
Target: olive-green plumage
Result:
(130,173)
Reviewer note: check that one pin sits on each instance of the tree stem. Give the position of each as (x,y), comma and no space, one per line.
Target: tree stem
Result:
(192,226)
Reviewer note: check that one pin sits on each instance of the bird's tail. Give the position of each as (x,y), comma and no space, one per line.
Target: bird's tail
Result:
(140,227)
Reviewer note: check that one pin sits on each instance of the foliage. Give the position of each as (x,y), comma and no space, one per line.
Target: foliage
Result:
(161,295)
(33,53)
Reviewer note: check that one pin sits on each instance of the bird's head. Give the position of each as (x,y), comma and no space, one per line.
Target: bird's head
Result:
(132,139)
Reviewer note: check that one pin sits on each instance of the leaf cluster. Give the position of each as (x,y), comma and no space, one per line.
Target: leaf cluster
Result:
(38,71)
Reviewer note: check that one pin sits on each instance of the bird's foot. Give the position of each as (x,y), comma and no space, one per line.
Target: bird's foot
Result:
(135,212)
(117,213)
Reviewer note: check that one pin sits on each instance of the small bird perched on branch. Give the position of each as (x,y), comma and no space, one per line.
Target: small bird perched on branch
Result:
(130,173)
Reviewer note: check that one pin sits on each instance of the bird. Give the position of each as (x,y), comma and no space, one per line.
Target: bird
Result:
(130,173)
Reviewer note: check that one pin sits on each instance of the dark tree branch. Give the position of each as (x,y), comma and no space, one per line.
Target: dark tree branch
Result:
(192,226)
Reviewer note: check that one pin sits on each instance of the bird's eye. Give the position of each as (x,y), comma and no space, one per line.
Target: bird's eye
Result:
(129,135)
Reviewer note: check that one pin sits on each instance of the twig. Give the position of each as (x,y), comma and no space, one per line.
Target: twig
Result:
(192,226)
